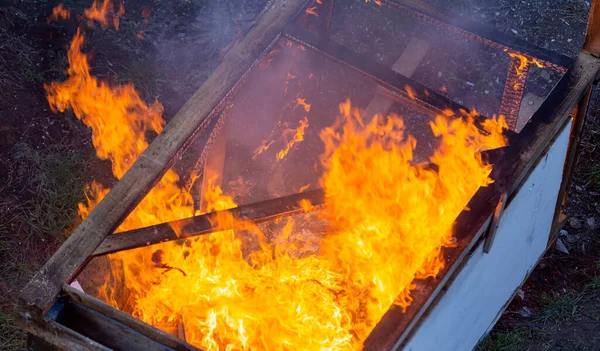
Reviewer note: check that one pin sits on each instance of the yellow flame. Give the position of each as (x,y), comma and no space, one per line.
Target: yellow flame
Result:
(389,219)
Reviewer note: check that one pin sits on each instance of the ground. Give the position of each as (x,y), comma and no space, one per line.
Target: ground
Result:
(46,158)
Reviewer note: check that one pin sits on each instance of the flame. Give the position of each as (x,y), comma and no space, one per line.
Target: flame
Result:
(378,2)
(146,14)
(302,102)
(59,12)
(304,188)
(117,115)
(410,91)
(312,11)
(524,62)
(298,136)
(289,136)
(390,221)
(101,13)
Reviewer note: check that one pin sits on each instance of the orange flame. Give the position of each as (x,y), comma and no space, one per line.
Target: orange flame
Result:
(117,115)
(410,91)
(59,12)
(289,136)
(298,136)
(312,11)
(524,62)
(390,221)
(302,102)
(101,13)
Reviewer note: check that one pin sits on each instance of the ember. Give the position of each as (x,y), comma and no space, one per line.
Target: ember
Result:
(390,221)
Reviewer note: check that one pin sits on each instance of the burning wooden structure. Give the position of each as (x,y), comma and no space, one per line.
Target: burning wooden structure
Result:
(497,242)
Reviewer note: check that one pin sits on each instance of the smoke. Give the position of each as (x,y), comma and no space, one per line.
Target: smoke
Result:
(189,51)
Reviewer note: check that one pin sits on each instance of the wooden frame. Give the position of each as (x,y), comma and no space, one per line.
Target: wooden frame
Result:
(43,300)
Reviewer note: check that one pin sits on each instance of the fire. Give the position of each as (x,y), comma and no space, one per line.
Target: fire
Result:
(378,2)
(302,102)
(59,12)
(289,136)
(102,12)
(410,91)
(297,136)
(390,221)
(312,11)
(524,62)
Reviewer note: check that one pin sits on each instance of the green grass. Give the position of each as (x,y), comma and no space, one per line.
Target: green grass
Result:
(11,337)
(506,340)
(54,183)
(143,75)
(594,176)
(38,206)
(562,308)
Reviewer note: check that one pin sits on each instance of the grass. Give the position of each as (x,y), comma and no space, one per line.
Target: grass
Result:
(594,175)
(594,284)
(38,205)
(53,182)
(143,75)
(11,337)
(555,311)
(506,340)
(562,308)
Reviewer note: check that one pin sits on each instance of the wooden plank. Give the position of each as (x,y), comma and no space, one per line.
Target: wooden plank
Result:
(56,334)
(99,312)
(491,234)
(406,65)
(35,343)
(206,223)
(42,290)
(591,44)
(576,133)
(115,336)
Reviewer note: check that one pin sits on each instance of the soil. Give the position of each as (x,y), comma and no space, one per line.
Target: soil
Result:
(168,48)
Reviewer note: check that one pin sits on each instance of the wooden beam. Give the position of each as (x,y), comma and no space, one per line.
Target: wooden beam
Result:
(493,229)
(591,44)
(43,289)
(572,152)
(206,223)
(115,329)
(56,334)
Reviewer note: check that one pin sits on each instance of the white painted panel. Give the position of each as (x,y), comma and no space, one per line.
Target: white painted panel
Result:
(487,281)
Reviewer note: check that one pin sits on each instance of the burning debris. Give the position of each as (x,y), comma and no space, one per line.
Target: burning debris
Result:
(388,222)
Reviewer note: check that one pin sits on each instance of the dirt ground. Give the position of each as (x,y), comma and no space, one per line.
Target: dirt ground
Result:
(46,158)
